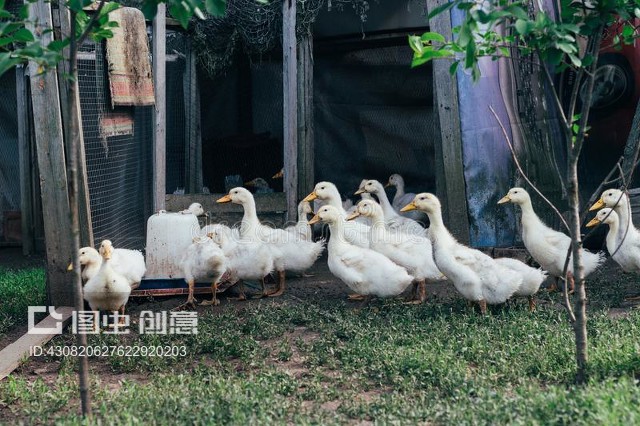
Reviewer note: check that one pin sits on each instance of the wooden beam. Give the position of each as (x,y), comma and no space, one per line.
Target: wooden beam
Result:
(193,138)
(51,163)
(449,147)
(61,16)
(306,147)
(160,116)
(24,159)
(290,107)
(12,355)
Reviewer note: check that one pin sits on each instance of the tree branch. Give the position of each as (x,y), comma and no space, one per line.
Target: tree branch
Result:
(521,171)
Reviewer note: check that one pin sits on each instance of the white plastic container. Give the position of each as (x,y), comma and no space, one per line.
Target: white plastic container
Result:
(168,236)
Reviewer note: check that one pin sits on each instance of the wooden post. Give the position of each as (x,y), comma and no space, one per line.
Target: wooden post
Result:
(159,118)
(306,147)
(193,146)
(290,107)
(51,162)
(24,158)
(450,184)
(84,209)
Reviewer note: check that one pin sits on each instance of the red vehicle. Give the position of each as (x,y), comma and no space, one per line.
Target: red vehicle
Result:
(616,90)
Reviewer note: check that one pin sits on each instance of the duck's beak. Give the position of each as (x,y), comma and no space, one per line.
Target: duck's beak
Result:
(593,222)
(106,253)
(388,184)
(314,219)
(250,183)
(70,267)
(409,207)
(225,199)
(597,206)
(311,197)
(353,215)
(278,175)
(359,191)
(504,199)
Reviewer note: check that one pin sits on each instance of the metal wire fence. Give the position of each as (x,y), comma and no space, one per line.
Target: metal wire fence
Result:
(118,145)
(9,165)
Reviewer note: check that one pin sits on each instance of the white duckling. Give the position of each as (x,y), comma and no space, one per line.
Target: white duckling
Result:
(354,232)
(412,252)
(246,260)
(619,202)
(107,290)
(626,252)
(391,217)
(476,276)
(195,209)
(292,254)
(401,199)
(302,229)
(363,270)
(203,260)
(129,263)
(547,246)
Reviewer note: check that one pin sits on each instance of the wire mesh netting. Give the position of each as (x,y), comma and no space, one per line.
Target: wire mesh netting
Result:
(9,165)
(374,116)
(177,86)
(118,145)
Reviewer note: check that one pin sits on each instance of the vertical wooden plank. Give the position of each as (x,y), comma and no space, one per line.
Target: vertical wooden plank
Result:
(290,109)
(193,150)
(450,144)
(160,116)
(61,17)
(51,163)
(306,147)
(24,158)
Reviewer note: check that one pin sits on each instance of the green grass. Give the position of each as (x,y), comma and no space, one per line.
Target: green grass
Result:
(18,290)
(323,363)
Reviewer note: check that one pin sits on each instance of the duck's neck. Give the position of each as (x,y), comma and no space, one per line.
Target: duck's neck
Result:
(303,220)
(92,267)
(399,189)
(337,234)
(387,208)
(529,216)
(612,235)
(250,220)
(438,233)
(624,214)
(378,226)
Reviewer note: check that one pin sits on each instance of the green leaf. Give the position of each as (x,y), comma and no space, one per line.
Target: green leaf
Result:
(464,37)
(518,12)
(574,60)
(443,7)
(454,67)
(58,45)
(149,9)
(416,44)
(418,60)
(627,31)
(431,36)
(470,56)
(636,12)
(24,35)
(522,27)
(216,7)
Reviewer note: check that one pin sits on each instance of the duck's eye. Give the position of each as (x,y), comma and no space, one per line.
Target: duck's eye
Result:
(322,187)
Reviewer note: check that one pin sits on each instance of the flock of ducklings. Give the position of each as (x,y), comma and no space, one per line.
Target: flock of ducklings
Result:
(374,249)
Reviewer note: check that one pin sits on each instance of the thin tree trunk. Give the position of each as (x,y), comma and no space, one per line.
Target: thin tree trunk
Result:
(73,138)
(575,147)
